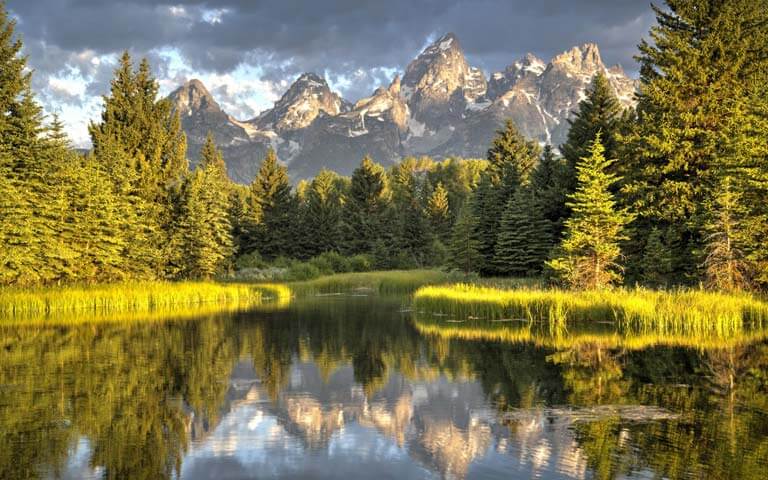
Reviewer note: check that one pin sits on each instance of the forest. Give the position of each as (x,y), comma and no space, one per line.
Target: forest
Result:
(670,193)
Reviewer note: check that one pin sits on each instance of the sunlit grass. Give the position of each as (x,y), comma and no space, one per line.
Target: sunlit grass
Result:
(658,312)
(384,282)
(556,336)
(141,299)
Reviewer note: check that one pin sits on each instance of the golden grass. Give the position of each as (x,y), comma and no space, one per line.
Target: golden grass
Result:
(151,300)
(659,312)
(574,336)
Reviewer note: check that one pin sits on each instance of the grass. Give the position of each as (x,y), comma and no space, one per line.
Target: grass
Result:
(686,312)
(384,282)
(543,334)
(139,298)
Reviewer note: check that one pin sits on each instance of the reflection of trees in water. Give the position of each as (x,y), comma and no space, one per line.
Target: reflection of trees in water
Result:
(140,392)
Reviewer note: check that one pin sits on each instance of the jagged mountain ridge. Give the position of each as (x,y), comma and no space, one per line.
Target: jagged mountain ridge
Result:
(442,106)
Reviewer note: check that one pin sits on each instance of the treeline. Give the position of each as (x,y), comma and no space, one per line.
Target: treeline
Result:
(674,191)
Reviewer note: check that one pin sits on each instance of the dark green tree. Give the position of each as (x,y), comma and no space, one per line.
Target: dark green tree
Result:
(524,238)
(464,248)
(323,213)
(365,208)
(271,190)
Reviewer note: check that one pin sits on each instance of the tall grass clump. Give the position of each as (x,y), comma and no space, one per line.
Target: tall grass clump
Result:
(134,298)
(384,282)
(661,312)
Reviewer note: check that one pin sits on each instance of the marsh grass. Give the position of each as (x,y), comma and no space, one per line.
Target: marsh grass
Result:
(383,282)
(140,299)
(544,334)
(686,312)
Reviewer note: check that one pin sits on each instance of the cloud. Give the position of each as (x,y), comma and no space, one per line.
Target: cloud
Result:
(356,44)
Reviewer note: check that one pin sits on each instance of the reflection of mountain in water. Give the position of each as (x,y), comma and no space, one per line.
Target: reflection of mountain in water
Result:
(348,387)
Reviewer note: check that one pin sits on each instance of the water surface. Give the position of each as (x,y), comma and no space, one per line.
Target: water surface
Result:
(356,387)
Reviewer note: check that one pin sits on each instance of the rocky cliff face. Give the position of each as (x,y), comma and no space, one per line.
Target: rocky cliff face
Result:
(442,107)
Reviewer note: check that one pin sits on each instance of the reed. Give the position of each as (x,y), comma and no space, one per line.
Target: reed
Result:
(614,337)
(141,298)
(362,283)
(660,312)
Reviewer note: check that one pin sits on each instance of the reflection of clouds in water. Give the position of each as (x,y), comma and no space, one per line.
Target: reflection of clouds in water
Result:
(324,429)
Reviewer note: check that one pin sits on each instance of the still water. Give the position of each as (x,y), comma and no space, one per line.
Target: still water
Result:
(356,387)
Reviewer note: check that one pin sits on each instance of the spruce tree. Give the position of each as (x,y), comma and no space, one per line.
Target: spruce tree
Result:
(438,210)
(600,112)
(549,191)
(510,161)
(656,263)
(271,191)
(323,217)
(366,206)
(524,238)
(700,76)
(726,266)
(589,253)
(465,246)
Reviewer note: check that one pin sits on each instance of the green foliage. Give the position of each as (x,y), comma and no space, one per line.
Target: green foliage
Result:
(272,197)
(524,239)
(657,261)
(590,250)
(701,117)
(465,247)
(366,205)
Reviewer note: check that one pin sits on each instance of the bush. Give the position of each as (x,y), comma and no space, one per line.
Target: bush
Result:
(337,263)
(360,263)
(302,271)
(250,260)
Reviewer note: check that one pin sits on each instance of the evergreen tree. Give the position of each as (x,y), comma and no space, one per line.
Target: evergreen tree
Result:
(465,246)
(726,266)
(142,132)
(366,205)
(438,210)
(271,191)
(656,264)
(524,238)
(700,77)
(548,190)
(510,161)
(600,112)
(323,217)
(589,252)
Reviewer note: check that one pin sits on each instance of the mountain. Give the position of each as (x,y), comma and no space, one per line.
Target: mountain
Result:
(442,106)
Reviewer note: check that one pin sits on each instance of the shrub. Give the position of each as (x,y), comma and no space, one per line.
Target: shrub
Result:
(360,263)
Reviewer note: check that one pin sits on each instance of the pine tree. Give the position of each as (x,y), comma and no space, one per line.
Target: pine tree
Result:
(323,217)
(590,250)
(548,190)
(600,112)
(145,134)
(366,205)
(656,263)
(726,266)
(271,191)
(700,77)
(511,159)
(438,210)
(524,238)
(465,247)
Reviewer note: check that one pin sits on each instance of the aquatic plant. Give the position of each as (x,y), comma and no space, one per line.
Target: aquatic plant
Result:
(143,299)
(659,312)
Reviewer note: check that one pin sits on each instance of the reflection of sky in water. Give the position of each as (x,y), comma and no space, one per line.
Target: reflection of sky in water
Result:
(450,432)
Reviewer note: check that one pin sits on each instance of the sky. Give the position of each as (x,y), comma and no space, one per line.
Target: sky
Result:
(247,52)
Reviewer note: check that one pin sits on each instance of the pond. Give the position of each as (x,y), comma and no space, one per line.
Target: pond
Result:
(356,386)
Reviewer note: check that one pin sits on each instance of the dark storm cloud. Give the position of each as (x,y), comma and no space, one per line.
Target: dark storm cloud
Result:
(336,38)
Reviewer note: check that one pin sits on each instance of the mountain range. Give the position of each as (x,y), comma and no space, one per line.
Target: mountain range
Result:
(441,106)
